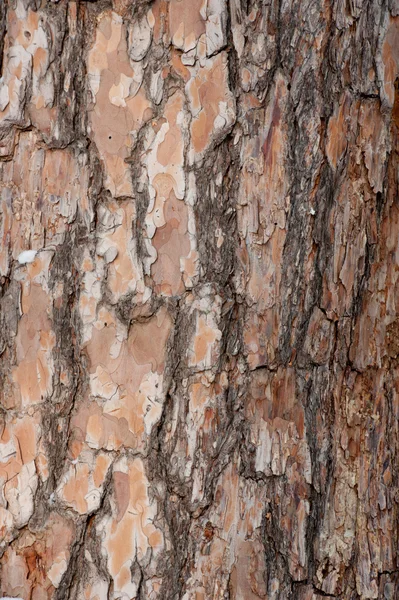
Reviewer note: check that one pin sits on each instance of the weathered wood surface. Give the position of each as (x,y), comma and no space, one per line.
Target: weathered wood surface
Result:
(199,363)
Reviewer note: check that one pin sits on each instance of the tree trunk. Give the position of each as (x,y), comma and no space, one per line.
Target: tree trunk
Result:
(199,276)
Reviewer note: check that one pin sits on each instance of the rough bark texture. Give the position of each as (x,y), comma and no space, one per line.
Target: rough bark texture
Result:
(200,362)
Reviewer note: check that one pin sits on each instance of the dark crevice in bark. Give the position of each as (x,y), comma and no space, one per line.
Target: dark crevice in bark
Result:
(3,30)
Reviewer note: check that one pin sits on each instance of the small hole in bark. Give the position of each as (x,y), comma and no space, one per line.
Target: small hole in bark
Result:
(27,34)
(110,137)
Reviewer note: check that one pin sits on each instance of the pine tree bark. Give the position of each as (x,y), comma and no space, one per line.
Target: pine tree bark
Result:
(199,265)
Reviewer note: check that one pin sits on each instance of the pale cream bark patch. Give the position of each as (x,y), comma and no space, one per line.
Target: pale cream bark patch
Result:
(120,106)
(129,533)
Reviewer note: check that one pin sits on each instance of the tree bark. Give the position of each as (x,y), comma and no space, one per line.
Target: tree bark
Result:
(199,274)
